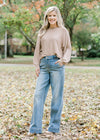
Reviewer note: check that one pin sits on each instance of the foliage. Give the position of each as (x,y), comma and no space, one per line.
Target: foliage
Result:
(80,116)
(98,54)
(26,17)
(17,35)
(2,29)
(75,11)
(24,21)
(92,53)
(22,17)
(94,15)
(82,39)
(95,40)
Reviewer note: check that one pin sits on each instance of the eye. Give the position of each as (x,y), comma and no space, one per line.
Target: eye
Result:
(49,15)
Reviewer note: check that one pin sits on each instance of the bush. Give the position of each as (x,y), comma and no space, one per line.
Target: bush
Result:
(92,53)
(21,53)
(98,54)
(28,53)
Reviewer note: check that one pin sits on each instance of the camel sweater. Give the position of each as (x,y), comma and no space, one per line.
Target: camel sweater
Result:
(55,41)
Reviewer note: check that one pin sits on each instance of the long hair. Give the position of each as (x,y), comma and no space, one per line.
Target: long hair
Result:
(46,24)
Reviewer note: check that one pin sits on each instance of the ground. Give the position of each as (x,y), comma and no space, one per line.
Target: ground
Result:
(81,109)
(76,61)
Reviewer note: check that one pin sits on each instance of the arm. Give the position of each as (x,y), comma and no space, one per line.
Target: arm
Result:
(36,58)
(66,48)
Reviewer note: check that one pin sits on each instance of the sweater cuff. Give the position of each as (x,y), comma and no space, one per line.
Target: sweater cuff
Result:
(36,66)
(63,61)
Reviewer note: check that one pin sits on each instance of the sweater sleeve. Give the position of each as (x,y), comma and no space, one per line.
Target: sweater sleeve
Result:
(36,58)
(67,47)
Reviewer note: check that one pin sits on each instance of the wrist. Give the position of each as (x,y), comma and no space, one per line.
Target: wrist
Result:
(62,61)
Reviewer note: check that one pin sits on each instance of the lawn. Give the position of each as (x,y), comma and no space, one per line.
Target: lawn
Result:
(87,62)
(18,59)
(81,108)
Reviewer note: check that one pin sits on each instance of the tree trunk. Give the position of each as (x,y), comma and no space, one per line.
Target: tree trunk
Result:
(27,38)
(9,49)
(71,33)
(82,56)
(10,2)
(5,45)
(79,49)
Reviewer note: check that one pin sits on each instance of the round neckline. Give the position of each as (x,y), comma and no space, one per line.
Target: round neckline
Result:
(53,28)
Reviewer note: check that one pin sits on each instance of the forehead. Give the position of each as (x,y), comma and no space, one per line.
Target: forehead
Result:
(52,13)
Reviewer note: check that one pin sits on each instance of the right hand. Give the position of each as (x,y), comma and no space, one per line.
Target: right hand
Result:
(37,71)
(60,62)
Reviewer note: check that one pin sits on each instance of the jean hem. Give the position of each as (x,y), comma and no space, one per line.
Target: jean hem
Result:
(53,130)
(35,131)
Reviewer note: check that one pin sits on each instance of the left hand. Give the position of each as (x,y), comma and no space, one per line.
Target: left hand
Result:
(60,62)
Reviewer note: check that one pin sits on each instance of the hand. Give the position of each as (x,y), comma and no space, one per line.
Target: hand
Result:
(60,62)
(37,71)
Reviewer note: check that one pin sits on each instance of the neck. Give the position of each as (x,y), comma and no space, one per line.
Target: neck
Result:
(53,26)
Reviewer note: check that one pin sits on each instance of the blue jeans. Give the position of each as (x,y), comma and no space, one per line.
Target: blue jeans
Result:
(50,74)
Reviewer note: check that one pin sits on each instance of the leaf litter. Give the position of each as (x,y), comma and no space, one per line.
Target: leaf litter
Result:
(81,108)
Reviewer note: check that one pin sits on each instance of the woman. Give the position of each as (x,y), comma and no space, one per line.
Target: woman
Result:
(52,52)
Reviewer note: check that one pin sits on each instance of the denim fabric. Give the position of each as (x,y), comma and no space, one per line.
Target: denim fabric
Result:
(50,74)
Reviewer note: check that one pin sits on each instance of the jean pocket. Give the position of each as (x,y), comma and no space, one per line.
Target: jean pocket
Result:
(42,62)
(59,65)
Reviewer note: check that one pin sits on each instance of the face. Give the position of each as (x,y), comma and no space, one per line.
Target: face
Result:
(52,18)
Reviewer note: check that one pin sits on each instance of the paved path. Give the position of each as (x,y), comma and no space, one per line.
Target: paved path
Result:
(30,65)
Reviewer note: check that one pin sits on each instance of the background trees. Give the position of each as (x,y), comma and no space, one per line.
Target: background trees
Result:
(25,18)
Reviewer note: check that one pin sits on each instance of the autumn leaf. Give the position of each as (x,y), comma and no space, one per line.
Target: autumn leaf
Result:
(80,115)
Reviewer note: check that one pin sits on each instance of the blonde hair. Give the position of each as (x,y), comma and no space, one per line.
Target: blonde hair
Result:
(46,24)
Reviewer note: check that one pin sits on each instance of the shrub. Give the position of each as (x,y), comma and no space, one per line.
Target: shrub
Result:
(92,53)
(98,54)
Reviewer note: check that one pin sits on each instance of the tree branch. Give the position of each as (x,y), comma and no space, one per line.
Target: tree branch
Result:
(75,18)
(28,39)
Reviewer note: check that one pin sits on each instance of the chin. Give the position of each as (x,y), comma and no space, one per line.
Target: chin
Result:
(52,23)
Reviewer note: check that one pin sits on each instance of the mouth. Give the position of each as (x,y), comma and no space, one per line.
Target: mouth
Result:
(52,20)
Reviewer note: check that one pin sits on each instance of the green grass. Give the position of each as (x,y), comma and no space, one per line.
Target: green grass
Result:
(23,56)
(86,62)
(19,59)
(82,71)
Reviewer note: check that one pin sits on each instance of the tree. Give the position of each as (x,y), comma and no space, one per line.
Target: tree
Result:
(76,10)
(95,41)
(22,18)
(27,16)
(82,39)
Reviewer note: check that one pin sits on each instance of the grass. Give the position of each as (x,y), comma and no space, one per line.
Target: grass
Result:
(86,62)
(19,59)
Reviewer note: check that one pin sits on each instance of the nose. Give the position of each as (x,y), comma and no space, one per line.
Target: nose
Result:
(52,17)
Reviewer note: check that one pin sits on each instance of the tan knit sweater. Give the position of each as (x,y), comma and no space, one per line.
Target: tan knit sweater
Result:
(55,41)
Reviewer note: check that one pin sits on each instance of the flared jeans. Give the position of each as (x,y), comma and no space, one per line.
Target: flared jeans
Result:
(50,74)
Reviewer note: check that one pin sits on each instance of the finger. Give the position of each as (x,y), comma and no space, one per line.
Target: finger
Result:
(56,62)
(37,72)
(37,75)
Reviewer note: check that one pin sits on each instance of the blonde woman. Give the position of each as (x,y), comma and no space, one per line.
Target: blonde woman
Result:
(52,52)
